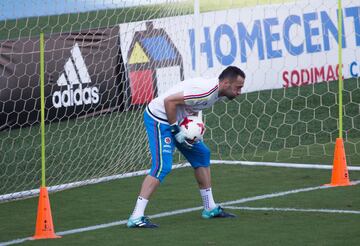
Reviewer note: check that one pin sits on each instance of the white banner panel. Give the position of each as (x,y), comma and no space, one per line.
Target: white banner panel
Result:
(277,46)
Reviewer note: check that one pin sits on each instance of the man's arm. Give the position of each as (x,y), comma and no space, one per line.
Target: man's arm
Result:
(171,102)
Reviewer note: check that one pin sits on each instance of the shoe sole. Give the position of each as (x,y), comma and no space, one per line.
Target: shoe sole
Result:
(220,216)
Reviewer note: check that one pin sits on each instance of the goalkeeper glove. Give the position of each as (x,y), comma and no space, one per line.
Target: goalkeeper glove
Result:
(180,136)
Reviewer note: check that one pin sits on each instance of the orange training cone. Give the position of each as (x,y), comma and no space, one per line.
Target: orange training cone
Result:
(44,223)
(340,174)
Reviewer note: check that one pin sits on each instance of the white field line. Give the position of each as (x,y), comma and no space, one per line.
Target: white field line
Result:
(180,211)
(34,192)
(296,210)
(277,164)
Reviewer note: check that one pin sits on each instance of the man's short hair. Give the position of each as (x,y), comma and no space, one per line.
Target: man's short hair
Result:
(231,72)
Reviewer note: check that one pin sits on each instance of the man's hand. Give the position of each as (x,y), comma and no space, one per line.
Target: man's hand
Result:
(180,136)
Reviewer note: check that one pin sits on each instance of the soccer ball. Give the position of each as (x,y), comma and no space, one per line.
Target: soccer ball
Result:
(193,128)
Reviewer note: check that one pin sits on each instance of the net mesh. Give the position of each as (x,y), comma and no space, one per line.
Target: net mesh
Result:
(102,61)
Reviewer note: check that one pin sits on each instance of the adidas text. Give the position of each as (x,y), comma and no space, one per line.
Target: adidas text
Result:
(75,97)
(75,78)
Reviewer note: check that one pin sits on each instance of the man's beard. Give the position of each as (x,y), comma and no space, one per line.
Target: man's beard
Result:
(230,97)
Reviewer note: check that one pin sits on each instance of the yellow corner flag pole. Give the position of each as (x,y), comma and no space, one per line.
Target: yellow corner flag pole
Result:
(340,69)
(340,174)
(42,109)
(44,224)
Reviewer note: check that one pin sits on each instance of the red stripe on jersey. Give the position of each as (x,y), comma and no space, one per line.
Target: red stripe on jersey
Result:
(206,94)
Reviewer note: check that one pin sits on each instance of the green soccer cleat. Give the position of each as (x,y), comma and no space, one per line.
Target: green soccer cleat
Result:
(217,212)
(141,222)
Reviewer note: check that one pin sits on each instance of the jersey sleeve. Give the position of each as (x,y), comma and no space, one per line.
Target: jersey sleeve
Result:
(194,94)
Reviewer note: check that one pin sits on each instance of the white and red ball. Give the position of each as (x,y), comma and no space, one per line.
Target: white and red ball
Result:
(193,128)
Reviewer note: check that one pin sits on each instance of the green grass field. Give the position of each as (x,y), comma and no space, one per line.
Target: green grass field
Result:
(113,201)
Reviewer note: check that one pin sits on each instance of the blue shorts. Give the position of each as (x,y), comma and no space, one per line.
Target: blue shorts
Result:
(162,145)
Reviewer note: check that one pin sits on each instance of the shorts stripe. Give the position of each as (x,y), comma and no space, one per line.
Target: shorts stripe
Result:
(157,150)
(160,151)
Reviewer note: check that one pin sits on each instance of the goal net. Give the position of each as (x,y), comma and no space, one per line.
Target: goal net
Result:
(105,60)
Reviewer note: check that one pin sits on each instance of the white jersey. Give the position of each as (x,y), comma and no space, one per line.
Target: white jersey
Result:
(199,94)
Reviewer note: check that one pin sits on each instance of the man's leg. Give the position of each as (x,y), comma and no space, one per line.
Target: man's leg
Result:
(211,210)
(161,147)
(148,187)
(203,178)
(199,158)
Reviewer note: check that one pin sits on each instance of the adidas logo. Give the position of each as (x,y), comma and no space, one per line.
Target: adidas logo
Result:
(75,77)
